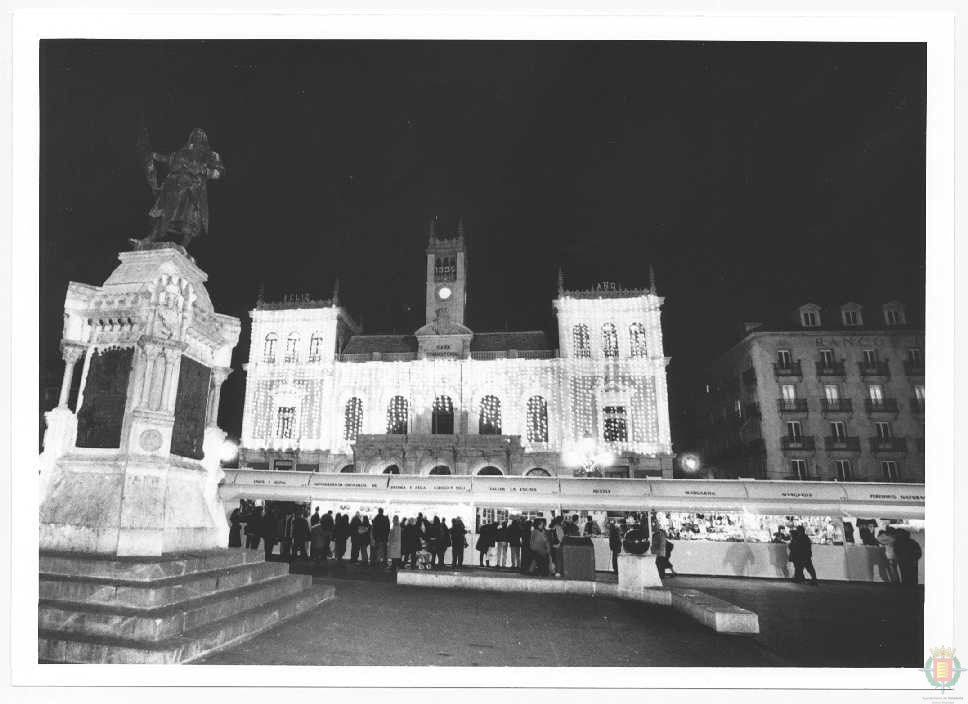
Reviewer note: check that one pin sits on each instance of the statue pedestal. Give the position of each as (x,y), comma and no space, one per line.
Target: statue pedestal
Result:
(636,573)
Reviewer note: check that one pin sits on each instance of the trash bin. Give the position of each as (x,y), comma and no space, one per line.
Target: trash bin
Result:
(578,558)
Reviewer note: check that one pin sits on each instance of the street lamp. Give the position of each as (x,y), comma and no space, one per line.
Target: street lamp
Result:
(589,457)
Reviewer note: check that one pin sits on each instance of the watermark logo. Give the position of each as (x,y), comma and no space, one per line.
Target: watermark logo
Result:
(943,669)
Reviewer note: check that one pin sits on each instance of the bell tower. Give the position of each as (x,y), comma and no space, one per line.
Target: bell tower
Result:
(444,334)
(446,275)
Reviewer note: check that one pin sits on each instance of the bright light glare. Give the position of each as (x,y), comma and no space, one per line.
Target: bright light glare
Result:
(229,451)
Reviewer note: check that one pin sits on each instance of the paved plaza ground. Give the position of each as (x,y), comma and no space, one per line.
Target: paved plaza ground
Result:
(832,625)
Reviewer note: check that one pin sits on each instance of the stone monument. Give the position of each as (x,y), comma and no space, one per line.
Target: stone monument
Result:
(133,561)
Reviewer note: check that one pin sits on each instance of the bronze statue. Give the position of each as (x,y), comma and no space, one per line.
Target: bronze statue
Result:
(180,212)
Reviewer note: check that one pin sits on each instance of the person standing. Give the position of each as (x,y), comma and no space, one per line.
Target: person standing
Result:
(395,543)
(328,525)
(526,556)
(268,533)
(501,543)
(253,529)
(342,534)
(556,539)
(614,544)
(381,534)
(482,545)
(363,531)
(355,537)
(801,555)
(458,541)
(540,548)
(317,545)
(315,517)
(591,527)
(907,552)
(235,531)
(412,544)
(444,543)
(300,535)
(658,548)
(514,542)
(886,539)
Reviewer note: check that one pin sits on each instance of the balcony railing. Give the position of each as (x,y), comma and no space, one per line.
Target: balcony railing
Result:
(792,369)
(848,444)
(881,405)
(836,405)
(831,369)
(914,368)
(291,359)
(888,445)
(792,405)
(749,377)
(873,369)
(917,404)
(801,443)
(489,355)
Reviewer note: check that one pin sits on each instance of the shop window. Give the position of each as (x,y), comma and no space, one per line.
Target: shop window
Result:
(490,471)
(282,465)
(440,470)
(537,419)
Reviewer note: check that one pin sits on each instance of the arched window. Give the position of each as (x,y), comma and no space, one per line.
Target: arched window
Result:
(580,339)
(269,349)
(392,469)
(285,418)
(537,419)
(348,469)
(352,419)
(315,347)
(490,419)
(398,412)
(637,346)
(609,340)
(616,424)
(292,342)
(538,472)
(440,470)
(490,471)
(442,419)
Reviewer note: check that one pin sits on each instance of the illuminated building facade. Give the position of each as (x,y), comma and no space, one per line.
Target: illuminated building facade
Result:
(322,396)
(833,393)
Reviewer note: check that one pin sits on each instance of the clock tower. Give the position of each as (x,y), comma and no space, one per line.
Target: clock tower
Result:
(444,334)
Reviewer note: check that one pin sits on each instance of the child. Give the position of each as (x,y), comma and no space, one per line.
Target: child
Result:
(423,556)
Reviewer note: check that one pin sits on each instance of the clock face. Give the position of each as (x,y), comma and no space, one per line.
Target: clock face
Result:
(444,293)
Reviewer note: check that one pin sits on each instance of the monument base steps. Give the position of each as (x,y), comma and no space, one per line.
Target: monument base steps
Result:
(172,609)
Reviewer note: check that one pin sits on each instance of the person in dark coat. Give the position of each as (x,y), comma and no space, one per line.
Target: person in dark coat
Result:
(412,541)
(300,536)
(315,518)
(327,526)
(801,555)
(381,536)
(317,546)
(342,534)
(433,541)
(269,532)
(907,552)
(527,560)
(253,529)
(235,531)
(363,532)
(614,544)
(540,548)
(444,542)
(355,524)
(514,543)
(485,541)
(458,542)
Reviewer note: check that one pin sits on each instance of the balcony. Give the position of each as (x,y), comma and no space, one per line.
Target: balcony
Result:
(888,445)
(917,405)
(881,405)
(844,444)
(785,372)
(801,443)
(749,377)
(876,369)
(792,405)
(914,367)
(833,369)
(836,405)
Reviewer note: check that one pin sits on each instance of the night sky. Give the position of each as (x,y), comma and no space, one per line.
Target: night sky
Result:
(753,177)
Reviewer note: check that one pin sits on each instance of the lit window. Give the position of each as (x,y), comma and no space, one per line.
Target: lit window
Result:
(919,392)
(609,340)
(284,421)
(352,419)
(490,416)
(831,392)
(637,344)
(315,343)
(616,424)
(398,412)
(537,419)
(875,392)
(442,418)
(269,349)
(581,340)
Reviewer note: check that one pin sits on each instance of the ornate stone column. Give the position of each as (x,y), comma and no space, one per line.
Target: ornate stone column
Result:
(70,353)
(219,375)
(172,356)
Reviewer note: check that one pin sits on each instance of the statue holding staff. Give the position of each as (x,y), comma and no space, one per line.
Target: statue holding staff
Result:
(180,211)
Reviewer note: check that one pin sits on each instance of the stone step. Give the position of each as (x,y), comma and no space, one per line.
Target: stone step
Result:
(159,592)
(147,569)
(62,647)
(166,622)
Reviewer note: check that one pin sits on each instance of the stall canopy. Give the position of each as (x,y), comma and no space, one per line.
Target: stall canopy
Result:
(689,495)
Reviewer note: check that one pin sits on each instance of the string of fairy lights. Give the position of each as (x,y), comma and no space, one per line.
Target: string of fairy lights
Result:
(551,403)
